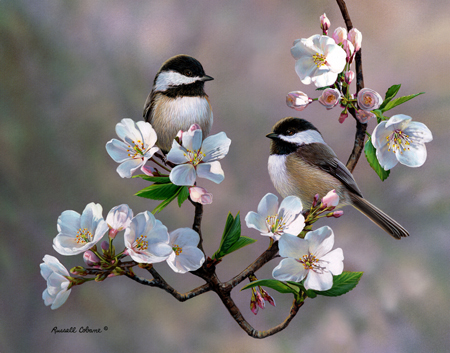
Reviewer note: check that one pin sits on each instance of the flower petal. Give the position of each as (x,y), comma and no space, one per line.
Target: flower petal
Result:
(414,156)
(320,241)
(68,222)
(289,270)
(319,281)
(268,206)
(190,259)
(127,168)
(386,158)
(184,237)
(183,174)
(256,221)
(216,147)
(177,154)
(418,132)
(118,150)
(334,260)
(212,171)
(292,246)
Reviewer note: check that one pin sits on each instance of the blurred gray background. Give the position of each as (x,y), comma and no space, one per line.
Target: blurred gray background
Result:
(70,70)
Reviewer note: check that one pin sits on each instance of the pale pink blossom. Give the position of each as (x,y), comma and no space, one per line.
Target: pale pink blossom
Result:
(330,98)
(297,100)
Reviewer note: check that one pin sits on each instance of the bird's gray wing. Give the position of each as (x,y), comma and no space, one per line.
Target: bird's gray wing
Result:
(323,157)
(148,107)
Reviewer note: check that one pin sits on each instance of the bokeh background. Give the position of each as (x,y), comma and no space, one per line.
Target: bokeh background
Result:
(70,70)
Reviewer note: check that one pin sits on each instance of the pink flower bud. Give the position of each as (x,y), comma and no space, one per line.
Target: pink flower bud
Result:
(105,245)
(368,99)
(330,98)
(339,34)
(315,200)
(343,116)
(253,307)
(349,49)
(267,297)
(337,214)
(147,170)
(259,300)
(349,76)
(331,199)
(200,195)
(194,127)
(90,258)
(297,100)
(324,24)
(364,116)
(355,37)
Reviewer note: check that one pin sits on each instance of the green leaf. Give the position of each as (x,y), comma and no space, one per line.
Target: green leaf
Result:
(342,284)
(279,286)
(183,195)
(397,101)
(163,204)
(157,180)
(159,191)
(231,235)
(240,243)
(390,93)
(371,156)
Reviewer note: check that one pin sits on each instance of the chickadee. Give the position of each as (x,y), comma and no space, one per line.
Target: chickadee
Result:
(302,164)
(178,100)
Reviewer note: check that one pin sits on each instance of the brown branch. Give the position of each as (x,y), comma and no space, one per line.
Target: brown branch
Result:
(360,134)
(198,221)
(159,282)
(265,257)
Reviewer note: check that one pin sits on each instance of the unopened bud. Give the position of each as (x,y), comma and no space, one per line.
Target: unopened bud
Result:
(343,116)
(78,270)
(355,37)
(101,277)
(339,35)
(349,76)
(297,100)
(335,214)
(324,24)
(90,258)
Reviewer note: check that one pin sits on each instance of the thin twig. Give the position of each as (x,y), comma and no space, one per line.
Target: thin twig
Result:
(360,134)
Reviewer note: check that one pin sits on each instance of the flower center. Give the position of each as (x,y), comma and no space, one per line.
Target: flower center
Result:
(178,249)
(367,100)
(319,60)
(194,157)
(83,236)
(310,262)
(275,224)
(136,149)
(398,141)
(140,243)
(330,99)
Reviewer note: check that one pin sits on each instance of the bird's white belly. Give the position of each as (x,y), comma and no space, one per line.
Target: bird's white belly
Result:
(185,111)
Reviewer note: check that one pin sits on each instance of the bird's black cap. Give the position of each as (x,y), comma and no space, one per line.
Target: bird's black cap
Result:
(291,125)
(185,65)
(286,127)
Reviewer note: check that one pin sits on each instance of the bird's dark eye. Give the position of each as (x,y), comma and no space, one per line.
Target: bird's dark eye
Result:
(290,132)
(187,73)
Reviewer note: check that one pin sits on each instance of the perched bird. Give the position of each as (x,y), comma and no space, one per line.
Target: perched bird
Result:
(302,164)
(178,100)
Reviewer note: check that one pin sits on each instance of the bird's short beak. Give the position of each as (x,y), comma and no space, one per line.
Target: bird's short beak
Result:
(206,78)
(272,135)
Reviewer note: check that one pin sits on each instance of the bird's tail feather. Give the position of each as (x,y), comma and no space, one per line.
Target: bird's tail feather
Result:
(378,217)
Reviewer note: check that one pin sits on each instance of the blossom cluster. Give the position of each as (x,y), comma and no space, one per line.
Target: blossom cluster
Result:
(146,239)
(326,62)
(192,156)
(308,257)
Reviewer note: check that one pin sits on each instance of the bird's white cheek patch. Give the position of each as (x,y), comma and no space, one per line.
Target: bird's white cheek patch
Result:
(168,79)
(304,137)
